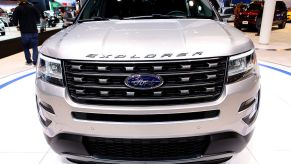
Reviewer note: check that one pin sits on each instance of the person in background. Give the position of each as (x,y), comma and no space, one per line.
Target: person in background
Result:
(68,15)
(61,13)
(43,23)
(26,16)
(73,13)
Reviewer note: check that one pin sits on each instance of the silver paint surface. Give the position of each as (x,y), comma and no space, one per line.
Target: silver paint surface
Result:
(133,40)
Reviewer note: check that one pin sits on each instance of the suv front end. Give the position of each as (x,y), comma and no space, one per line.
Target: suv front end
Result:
(126,105)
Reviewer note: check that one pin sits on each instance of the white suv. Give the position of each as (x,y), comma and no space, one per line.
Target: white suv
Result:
(148,81)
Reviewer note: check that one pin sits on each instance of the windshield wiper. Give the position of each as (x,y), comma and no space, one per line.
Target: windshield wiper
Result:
(93,19)
(155,16)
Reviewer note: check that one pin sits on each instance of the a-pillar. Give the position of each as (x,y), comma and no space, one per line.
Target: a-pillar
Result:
(267,21)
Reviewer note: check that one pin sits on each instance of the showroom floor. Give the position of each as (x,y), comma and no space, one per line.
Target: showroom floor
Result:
(22,141)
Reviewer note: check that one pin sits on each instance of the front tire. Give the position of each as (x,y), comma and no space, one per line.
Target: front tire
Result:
(3,33)
(282,25)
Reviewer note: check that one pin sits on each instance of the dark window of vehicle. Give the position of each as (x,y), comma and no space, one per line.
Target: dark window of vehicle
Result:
(138,9)
(255,6)
(229,11)
(280,5)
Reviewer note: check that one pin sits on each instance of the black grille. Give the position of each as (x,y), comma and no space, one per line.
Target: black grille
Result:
(185,81)
(146,118)
(147,149)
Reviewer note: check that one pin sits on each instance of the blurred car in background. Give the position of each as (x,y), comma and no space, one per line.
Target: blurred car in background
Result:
(2,12)
(48,13)
(289,15)
(5,21)
(2,27)
(10,18)
(52,19)
(253,15)
(228,11)
(4,17)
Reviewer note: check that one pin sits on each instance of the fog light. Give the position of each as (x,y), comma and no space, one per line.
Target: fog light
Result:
(249,119)
(47,107)
(45,121)
(245,105)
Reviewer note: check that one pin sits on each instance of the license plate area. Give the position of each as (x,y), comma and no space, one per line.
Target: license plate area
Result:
(245,22)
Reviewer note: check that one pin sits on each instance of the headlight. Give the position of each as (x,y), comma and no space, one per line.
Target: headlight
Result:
(49,70)
(241,66)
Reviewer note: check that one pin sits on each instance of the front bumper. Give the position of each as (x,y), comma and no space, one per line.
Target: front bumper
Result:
(220,147)
(228,120)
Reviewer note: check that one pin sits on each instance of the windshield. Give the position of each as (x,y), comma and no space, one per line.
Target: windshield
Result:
(254,6)
(146,9)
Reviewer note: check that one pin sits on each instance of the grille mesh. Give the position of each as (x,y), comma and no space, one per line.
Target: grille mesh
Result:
(185,81)
(147,149)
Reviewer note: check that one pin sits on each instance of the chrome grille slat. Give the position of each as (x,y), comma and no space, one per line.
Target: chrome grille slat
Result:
(87,74)
(185,81)
(84,67)
(167,80)
(163,87)
(155,99)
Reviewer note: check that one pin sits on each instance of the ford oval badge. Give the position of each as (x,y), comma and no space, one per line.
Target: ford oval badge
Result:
(144,81)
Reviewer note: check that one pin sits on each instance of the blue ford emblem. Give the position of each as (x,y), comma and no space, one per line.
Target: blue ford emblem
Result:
(144,81)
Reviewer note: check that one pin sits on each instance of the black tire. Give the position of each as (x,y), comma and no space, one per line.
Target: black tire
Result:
(54,25)
(282,25)
(3,33)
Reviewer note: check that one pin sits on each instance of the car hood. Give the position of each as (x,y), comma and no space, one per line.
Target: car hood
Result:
(158,39)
